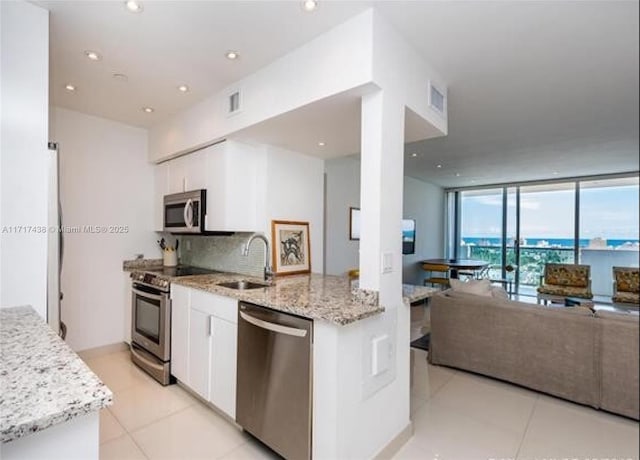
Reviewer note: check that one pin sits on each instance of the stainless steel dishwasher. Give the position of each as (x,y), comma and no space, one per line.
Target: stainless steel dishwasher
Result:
(273,403)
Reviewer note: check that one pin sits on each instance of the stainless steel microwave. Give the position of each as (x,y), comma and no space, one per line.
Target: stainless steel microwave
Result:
(185,212)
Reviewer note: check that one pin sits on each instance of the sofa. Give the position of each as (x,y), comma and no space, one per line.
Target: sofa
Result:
(573,353)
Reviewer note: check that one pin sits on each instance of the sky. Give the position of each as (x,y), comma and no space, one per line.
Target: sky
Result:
(607,212)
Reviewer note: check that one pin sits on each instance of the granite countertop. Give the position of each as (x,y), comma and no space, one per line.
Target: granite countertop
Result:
(412,293)
(318,297)
(43,381)
(332,298)
(324,297)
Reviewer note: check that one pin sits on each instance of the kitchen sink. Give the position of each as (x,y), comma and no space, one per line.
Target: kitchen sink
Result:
(242,285)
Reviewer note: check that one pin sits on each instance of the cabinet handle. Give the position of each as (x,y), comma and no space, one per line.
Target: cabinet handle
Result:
(210,326)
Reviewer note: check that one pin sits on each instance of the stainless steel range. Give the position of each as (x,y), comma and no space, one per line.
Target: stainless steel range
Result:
(151,319)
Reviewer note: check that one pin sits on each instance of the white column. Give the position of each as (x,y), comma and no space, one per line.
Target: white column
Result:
(382,175)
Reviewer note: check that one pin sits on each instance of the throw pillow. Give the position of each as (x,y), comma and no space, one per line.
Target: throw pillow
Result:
(477,287)
(499,292)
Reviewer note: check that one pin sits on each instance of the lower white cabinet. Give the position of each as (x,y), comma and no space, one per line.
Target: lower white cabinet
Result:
(204,334)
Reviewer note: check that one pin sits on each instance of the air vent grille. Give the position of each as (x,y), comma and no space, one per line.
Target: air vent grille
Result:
(234,102)
(436,99)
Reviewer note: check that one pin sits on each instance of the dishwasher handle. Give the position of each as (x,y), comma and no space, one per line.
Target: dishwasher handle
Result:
(278,328)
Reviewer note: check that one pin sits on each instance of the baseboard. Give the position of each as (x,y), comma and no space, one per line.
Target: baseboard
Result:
(103,350)
(394,446)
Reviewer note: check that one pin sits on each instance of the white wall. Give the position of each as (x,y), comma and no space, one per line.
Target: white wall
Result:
(24,161)
(423,202)
(334,62)
(105,181)
(294,192)
(343,192)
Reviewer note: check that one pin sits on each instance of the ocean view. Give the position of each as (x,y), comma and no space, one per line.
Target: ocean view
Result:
(551,242)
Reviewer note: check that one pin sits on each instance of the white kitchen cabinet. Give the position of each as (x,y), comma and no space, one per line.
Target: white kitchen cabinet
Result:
(199,351)
(234,176)
(161,186)
(222,385)
(204,334)
(180,333)
(235,190)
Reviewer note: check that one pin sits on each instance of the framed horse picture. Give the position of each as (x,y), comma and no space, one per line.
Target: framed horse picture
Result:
(291,247)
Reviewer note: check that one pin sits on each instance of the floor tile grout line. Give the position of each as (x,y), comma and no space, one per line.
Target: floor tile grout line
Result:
(526,429)
(138,428)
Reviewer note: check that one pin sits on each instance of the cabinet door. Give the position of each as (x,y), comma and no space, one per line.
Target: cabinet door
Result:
(222,390)
(200,325)
(180,333)
(161,188)
(177,175)
(195,170)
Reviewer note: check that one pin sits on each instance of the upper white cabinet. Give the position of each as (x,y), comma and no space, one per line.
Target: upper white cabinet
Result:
(234,174)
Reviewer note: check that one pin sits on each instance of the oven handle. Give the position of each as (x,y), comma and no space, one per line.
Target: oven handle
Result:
(148,295)
(146,361)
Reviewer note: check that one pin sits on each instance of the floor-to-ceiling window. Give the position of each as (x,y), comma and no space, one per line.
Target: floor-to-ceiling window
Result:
(608,228)
(593,221)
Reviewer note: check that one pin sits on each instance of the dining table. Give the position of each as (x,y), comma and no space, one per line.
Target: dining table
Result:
(455,265)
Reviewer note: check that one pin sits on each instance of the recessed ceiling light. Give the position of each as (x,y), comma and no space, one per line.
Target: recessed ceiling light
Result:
(93,55)
(438,166)
(183,88)
(309,5)
(147,109)
(413,155)
(321,144)
(120,77)
(133,6)
(70,87)
(555,173)
(457,174)
(232,55)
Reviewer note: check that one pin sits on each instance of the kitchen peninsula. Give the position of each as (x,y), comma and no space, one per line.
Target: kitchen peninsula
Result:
(354,354)
(50,401)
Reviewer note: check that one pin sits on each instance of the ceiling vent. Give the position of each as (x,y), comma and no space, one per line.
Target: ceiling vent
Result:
(234,103)
(437,99)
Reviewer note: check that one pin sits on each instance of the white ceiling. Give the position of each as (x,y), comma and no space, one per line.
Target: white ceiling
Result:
(536,89)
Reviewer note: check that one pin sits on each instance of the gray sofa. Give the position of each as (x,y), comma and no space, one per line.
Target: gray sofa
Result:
(573,353)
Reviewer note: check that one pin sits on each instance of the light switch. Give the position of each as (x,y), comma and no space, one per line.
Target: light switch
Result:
(387,262)
(380,355)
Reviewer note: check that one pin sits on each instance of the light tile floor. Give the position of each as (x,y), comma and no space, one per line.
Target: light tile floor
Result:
(456,415)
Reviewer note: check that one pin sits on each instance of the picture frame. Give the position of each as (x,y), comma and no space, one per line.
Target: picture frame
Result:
(354,224)
(408,236)
(291,252)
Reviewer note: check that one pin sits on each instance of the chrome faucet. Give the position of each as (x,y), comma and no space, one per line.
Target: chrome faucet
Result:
(268,273)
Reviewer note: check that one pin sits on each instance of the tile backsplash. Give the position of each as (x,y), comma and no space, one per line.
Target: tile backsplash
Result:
(223,253)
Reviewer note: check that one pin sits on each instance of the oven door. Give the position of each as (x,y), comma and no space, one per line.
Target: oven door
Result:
(150,320)
(183,212)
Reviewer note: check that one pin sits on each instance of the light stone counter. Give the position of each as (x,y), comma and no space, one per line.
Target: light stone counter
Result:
(43,382)
(332,298)
(324,297)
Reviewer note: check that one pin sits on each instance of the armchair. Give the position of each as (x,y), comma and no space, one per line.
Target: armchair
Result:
(565,280)
(626,286)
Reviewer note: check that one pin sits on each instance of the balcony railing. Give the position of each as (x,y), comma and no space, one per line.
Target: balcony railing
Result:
(534,258)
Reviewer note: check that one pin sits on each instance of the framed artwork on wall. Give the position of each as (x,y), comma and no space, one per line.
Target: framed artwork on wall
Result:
(291,247)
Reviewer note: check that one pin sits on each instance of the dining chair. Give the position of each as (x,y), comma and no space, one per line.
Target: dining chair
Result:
(437,275)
